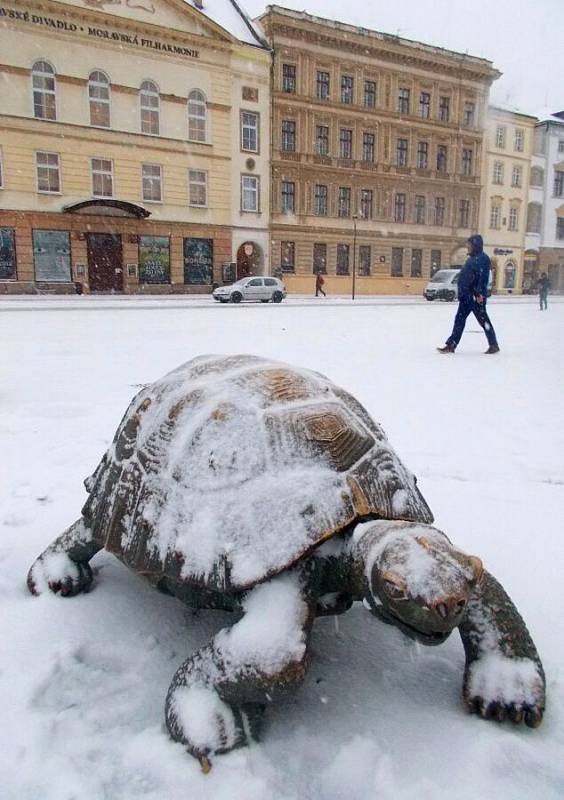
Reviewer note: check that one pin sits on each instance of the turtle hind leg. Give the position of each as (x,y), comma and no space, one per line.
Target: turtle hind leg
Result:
(63,567)
(217,698)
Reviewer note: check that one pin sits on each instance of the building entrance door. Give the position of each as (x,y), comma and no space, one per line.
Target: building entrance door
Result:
(105,265)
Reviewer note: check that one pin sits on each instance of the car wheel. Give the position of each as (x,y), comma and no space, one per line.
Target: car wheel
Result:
(264,301)
(450,296)
(223,300)
(236,297)
(277,297)
(429,298)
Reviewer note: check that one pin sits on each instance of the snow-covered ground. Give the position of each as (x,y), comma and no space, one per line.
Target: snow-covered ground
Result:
(83,680)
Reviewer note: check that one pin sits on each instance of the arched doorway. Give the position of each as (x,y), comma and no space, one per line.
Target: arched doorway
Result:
(509,274)
(249,260)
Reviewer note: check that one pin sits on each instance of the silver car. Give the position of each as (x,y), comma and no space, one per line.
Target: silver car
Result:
(264,289)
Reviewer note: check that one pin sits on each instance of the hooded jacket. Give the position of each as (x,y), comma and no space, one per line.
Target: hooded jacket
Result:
(475,274)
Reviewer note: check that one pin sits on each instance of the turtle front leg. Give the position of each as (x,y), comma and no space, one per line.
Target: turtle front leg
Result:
(216,698)
(63,567)
(503,677)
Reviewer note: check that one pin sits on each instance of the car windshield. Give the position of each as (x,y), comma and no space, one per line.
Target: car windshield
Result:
(442,276)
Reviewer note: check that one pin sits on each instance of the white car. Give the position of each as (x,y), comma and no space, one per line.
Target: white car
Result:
(264,289)
(444,285)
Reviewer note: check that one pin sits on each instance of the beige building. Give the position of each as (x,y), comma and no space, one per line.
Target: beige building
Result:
(503,219)
(377,154)
(134,145)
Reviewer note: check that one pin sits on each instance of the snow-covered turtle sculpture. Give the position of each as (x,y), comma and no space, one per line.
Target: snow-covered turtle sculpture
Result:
(244,484)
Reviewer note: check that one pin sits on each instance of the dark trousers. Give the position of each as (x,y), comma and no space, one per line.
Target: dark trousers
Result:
(466,306)
(319,289)
(543,300)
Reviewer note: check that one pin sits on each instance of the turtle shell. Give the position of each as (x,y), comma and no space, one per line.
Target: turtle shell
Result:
(231,468)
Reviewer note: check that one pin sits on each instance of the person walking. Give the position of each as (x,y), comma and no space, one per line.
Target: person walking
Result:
(544,286)
(472,295)
(319,281)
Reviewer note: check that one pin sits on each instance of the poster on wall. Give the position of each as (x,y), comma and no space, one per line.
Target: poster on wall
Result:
(51,256)
(198,261)
(154,259)
(7,254)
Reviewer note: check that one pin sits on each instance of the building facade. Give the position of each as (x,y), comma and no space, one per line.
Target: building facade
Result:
(545,218)
(503,219)
(134,145)
(377,154)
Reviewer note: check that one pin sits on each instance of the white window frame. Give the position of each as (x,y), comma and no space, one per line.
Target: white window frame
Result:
(513,219)
(495,216)
(148,180)
(255,191)
(192,182)
(246,127)
(49,168)
(94,172)
(53,76)
(197,100)
(151,109)
(500,132)
(561,145)
(103,101)
(517,176)
(519,140)
(497,177)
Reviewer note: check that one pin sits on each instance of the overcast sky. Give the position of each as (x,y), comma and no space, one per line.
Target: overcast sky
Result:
(523,38)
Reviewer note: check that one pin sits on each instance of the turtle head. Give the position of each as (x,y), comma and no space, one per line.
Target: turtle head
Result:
(415,579)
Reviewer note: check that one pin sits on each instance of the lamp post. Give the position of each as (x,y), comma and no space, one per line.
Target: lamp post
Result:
(354,218)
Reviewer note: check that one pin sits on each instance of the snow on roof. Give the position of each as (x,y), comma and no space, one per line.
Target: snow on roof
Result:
(232,18)
(547,115)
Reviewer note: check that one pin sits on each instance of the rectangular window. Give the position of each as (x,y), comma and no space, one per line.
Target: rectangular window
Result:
(560,227)
(320,201)
(561,145)
(322,85)
(289,78)
(399,208)
(102,177)
(401,153)
(52,256)
(498,172)
(197,188)
(288,256)
(435,261)
(288,196)
(425,105)
(198,261)
(344,201)
(516,176)
(370,94)
(513,219)
(467,162)
(347,89)
(364,260)
(366,203)
(397,262)
(464,214)
(422,155)
(343,253)
(495,214)
(500,136)
(48,172)
(249,193)
(368,147)
(403,101)
(154,259)
(322,140)
(468,115)
(249,132)
(319,258)
(519,141)
(345,143)
(558,183)
(439,211)
(7,254)
(151,183)
(288,135)
(420,206)
(442,157)
(444,109)
(416,261)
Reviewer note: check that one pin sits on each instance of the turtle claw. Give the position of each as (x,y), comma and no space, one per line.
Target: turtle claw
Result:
(533,718)
(58,573)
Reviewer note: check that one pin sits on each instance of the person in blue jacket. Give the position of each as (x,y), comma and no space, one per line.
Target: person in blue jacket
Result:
(472,295)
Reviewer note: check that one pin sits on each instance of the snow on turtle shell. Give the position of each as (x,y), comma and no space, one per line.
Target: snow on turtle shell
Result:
(231,468)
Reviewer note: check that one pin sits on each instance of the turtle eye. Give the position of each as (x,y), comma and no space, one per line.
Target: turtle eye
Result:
(394,591)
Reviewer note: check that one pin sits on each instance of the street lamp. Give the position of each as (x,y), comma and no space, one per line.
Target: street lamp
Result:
(354,219)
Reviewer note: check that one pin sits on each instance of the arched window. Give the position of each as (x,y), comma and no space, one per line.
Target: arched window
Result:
(534,214)
(149,101)
(537,176)
(99,99)
(44,90)
(197,116)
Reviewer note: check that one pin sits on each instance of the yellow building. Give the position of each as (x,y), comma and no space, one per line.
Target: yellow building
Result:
(133,145)
(503,218)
